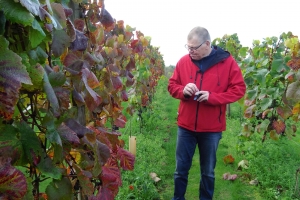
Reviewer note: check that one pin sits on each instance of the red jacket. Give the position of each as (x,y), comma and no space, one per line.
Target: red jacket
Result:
(223,80)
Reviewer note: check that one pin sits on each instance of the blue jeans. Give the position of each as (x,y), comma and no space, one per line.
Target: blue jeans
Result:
(185,149)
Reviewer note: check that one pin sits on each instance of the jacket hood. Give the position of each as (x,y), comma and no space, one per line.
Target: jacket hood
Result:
(217,55)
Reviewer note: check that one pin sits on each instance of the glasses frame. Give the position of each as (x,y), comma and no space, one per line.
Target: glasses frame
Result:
(193,48)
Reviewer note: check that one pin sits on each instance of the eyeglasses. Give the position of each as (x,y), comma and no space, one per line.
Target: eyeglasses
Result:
(193,48)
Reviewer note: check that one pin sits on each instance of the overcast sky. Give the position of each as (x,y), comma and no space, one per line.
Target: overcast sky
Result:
(168,22)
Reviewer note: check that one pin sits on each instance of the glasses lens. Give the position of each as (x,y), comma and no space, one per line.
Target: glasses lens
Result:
(189,48)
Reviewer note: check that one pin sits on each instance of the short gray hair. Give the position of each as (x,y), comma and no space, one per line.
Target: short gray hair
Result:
(200,33)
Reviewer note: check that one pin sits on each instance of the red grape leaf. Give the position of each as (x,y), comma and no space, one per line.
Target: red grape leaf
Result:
(12,181)
(249,111)
(117,82)
(79,24)
(59,14)
(104,194)
(120,122)
(70,27)
(63,96)
(103,152)
(12,74)
(127,159)
(279,126)
(294,63)
(80,43)
(106,19)
(284,112)
(77,127)
(124,95)
(68,134)
(111,179)
(84,179)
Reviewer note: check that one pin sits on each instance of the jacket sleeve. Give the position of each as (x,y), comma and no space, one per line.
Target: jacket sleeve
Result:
(175,86)
(236,87)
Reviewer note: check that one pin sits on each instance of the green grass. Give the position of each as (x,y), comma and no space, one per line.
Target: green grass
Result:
(272,163)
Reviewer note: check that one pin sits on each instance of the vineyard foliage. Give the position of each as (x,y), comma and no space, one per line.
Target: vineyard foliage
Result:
(271,72)
(62,83)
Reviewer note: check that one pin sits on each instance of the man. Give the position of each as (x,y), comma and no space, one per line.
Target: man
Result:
(205,80)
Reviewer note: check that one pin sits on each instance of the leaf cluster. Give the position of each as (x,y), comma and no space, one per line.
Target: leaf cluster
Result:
(65,69)
(270,69)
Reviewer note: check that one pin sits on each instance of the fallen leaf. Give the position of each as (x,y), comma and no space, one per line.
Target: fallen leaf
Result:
(243,164)
(230,177)
(253,182)
(228,159)
(154,177)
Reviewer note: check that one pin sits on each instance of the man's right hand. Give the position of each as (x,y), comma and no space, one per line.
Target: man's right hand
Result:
(190,89)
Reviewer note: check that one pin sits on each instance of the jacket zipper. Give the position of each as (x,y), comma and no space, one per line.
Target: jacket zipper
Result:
(198,103)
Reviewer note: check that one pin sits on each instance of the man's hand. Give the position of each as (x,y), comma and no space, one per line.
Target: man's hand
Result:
(190,89)
(203,96)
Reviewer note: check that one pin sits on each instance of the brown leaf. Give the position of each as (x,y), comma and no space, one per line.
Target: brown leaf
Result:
(228,159)
(279,126)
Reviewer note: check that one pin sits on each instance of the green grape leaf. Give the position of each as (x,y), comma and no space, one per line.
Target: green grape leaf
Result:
(57,78)
(243,51)
(36,34)
(12,74)
(277,65)
(60,42)
(266,103)
(30,142)
(16,13)
(13,183)
(261,76)
(32,6)
(52,135)
(37,56)
(2,22)
(36,73)
(60,189)
(47,167)
(273,135)
(263,126)
(51,96)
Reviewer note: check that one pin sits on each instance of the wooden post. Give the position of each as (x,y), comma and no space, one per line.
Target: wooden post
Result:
(132,145)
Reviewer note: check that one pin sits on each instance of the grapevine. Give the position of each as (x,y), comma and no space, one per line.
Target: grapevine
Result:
(64,75)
